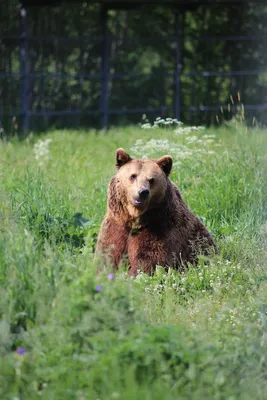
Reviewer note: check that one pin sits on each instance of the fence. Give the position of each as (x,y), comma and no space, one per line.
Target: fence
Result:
(55,70)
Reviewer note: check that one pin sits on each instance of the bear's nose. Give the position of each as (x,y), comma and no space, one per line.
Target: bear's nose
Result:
(143,193)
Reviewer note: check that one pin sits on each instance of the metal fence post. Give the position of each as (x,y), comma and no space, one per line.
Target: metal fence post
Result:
(104,68)
(177,105)
(23,70)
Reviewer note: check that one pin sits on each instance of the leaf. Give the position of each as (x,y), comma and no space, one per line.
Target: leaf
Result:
(79,220)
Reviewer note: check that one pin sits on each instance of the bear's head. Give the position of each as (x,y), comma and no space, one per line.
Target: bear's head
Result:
(141,183)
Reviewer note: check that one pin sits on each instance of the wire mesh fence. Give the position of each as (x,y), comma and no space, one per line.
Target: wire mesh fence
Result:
(81,64)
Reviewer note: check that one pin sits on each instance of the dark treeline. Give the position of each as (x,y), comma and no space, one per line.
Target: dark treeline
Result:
(64,58)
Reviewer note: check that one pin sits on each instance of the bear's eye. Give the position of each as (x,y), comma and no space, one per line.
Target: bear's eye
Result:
(151,181)
(133,177)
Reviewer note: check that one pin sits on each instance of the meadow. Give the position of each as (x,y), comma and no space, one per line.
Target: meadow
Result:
(67,332)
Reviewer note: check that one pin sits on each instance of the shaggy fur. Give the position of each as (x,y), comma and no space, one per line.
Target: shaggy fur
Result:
(147,219)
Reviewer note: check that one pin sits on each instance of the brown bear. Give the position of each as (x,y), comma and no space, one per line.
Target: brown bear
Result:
(147,219)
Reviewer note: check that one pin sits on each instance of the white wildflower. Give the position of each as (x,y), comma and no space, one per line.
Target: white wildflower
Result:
(147,125)
(41,150)
(208,137)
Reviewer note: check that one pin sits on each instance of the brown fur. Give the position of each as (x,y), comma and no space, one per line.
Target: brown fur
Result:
(156,230)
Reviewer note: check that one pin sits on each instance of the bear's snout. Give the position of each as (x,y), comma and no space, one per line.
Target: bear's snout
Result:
(141,200)
(143,194)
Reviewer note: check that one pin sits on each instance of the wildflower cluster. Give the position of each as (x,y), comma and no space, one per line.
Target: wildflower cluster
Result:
(206,279)
(188,129)
(157,146)
(187,146)
(41,150)
(192,147)
(160,123)
(238,315)
(235,317)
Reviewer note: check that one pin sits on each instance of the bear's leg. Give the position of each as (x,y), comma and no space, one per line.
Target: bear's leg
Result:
(111,243)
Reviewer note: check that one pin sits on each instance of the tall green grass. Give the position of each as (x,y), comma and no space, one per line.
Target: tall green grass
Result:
(68,331)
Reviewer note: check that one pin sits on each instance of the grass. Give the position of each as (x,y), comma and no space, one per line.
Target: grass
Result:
(68,332)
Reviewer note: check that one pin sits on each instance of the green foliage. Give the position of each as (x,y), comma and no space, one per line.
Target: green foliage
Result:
(37,205)
(141,41)
(69,330)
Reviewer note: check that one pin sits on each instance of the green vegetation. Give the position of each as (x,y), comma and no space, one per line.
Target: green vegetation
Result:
(68,332)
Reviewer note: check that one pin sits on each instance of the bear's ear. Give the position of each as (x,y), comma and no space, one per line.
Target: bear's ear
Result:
(122,158)
(165,163)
